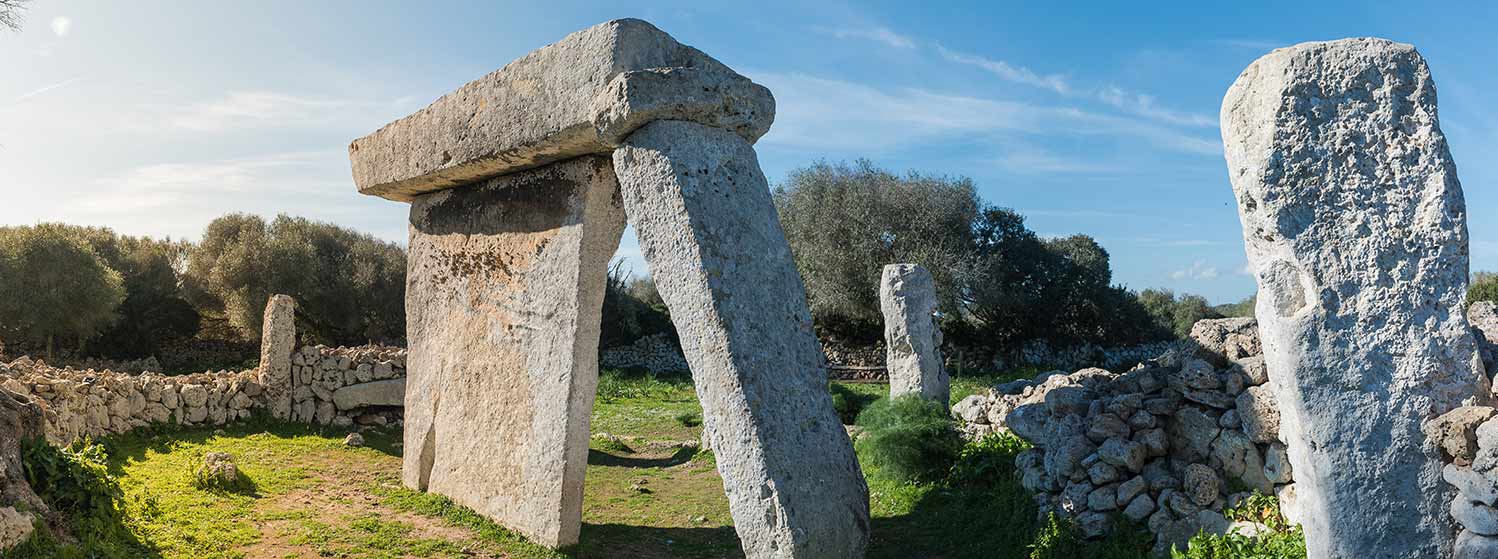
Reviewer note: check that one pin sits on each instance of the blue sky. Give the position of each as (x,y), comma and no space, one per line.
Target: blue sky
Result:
(154,117)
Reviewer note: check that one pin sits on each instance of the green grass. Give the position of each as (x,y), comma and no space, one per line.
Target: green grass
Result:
(650,493)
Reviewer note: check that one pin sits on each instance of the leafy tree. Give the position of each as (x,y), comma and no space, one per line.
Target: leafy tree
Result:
(350,287)
(632,309)
(54,286)
(845,222)
(154,310)
(1245,307)
(1176,314)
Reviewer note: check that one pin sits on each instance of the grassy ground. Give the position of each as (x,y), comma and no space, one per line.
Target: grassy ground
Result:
(648,494)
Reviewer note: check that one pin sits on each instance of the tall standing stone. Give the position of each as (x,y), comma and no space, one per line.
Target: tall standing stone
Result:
(912,341)
(707,226)
(1355,227)
(504,288)
(277,341)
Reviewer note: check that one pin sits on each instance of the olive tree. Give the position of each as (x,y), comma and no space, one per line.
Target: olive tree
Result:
(54,286)
(349,286)
(845,222)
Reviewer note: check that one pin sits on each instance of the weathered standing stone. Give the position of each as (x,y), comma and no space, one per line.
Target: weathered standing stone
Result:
(505,283)
(707,226)
(912,341)
(1355,227)
(277,341)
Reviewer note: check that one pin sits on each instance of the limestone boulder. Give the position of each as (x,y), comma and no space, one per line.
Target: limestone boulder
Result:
(378,393)
(1455,432)
(1224,340)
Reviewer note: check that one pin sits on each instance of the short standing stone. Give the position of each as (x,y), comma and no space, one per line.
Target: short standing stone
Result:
(1355,228)
(277,342)
(912,341)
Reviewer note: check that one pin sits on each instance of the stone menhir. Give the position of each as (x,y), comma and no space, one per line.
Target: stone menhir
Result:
(1355,227)
(277,341)
(912,341)
(520,182)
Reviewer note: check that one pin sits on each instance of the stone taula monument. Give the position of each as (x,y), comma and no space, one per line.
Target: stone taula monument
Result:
(1355,227)
(520,183)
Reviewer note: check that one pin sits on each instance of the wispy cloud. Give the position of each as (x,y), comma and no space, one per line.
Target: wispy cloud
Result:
(1032,161)
(44,89)
(1199,270)
(252,109)
(825,114)
(1010,72)
(879,34)
(1145,106)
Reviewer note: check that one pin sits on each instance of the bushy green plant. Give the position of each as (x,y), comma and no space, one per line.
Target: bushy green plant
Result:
(849,402)
(987,461)
(1281,540)
(908,439)
(1484,288)
(74,480)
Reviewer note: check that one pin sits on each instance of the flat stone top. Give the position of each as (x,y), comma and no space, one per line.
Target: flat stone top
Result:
(567,99)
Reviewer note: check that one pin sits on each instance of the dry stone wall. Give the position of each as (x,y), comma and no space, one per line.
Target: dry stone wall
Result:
(344,386)
(1158,445)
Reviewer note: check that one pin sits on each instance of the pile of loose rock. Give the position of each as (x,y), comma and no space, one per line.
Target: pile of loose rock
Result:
(344,386)
(1468,438)
(78,403)
(1169,444)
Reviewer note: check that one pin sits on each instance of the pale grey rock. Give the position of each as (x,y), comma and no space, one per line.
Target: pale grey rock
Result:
(1277,467)
(1260,415)
(1123,453)
(1253,370)
(1199,375)
(498,394)
(1240,459)
(1154,440)
(581,95)
(390,392)
(1132,488)
(912,341)
(707,227)
(1101,472)
(1201,484)
(194,395)
(1191,433)
(1139,508)
(1483,316)
(1470,545)
(971,409)
(1475,517)
(1224,340)
(1355,228)
(15,527)
(1103,499)
(1470,484)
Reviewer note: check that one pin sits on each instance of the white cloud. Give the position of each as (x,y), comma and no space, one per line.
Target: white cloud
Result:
(1199,270)
(879,34)
(61,25)
(1039,162)
(245,109)
(1007,71)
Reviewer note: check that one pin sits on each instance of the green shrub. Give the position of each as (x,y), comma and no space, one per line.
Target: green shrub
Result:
(987,461)
(908,439)
(1484,288)
(849,402)
(75,482)
(1281,541)
(1059,538)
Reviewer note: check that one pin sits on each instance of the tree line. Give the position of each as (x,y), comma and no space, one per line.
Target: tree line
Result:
(89,291)
(92,292)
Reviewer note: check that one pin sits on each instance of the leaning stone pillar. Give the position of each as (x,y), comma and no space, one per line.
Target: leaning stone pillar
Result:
(912,341)
(277,341)
(1355,227)
(504,288)
(708,229)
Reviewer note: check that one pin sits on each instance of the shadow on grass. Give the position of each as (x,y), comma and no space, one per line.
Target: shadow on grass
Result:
(681,456)
(646,542)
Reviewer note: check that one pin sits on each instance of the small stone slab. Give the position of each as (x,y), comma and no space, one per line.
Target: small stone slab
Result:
(581,95)
(378,393)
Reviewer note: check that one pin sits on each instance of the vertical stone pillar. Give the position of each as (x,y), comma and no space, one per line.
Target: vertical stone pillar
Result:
(708,229)
(277,341)
(912,341)
(504,287)
(1355,227)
